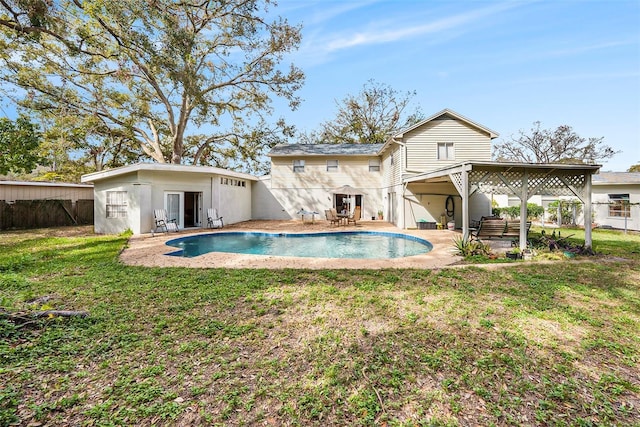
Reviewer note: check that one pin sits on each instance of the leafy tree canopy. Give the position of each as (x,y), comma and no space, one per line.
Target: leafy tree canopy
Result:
(368,117)
(19,143)
(634,168)
(560,145)
(168,80)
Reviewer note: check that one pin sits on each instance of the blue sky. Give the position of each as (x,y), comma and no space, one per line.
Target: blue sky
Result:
(504,65)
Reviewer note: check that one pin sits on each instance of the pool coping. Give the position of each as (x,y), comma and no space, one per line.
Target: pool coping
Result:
(151,250)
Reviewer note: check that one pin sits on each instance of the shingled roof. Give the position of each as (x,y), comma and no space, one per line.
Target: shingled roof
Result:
(604,178)
(325,150)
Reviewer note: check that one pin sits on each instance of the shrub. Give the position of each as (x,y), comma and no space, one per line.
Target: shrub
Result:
(566,211)
(467,248)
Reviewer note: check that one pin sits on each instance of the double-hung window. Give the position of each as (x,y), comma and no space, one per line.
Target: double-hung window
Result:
(619,205)
(374,165)
(298,165)
(116,204)
(332,166)
(445,151)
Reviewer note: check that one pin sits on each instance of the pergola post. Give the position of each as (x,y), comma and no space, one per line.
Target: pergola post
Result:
(587,211)
(524,196)
(465,203)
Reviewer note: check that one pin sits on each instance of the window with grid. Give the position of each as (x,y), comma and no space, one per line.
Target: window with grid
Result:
(374,165)
(445,151)
(619,205)
(332,166)
(116,204)
(298,165)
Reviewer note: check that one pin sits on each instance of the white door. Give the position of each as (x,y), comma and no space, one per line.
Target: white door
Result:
(174,204)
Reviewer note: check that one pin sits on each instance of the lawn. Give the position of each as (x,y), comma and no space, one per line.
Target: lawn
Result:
(552,343)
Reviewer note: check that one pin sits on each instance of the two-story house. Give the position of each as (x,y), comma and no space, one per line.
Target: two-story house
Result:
(304,176)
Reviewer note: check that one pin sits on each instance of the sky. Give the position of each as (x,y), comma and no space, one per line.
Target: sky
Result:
(504,65)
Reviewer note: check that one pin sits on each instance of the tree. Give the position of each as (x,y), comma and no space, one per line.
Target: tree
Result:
(145,72)
(369,117)
(634,168)
(19,143)
(560,145)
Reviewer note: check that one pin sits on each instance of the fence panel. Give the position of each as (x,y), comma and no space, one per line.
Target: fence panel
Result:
(84,211)
(45,213)
(6,215)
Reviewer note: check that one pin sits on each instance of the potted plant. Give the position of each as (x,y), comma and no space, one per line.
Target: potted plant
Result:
(514,254)
(380,214)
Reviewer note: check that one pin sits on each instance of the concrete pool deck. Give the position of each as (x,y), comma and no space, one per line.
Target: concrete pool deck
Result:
(148,250)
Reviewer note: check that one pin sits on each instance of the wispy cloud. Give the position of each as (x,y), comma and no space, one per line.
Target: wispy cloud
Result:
(575,77)
(399,31)
(579,50)
(327,13)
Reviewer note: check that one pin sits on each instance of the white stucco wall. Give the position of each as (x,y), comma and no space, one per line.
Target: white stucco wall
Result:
(147,189)
(428,201)
(600,203)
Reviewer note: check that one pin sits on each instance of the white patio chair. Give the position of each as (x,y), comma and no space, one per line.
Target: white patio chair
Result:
(160,216)
(213,220)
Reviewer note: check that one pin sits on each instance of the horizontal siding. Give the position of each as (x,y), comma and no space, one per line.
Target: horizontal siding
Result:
(11,193)
(422,144)
(351,171)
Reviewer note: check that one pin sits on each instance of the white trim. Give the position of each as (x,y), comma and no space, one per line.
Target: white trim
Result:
(164,167)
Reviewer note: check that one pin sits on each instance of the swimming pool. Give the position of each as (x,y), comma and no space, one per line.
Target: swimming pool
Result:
(350,244)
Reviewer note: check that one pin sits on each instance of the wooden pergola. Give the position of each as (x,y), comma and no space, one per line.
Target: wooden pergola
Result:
(522,180)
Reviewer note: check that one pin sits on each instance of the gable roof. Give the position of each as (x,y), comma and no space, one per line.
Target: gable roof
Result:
(451,113)
(163,167)
(288,150)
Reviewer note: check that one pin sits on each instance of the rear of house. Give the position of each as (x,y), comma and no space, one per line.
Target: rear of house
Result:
(438,142)
(304,177)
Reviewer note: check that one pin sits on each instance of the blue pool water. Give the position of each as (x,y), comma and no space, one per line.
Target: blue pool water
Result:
(351,244)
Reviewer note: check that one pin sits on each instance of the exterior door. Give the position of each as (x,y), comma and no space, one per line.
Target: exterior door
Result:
(174,204)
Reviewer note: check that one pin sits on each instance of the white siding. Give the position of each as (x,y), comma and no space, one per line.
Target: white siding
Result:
(422,144)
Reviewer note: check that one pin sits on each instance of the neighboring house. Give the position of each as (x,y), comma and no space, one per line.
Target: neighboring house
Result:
(126,197)
(303,175)
(31,204)
(10,191)
(616,200)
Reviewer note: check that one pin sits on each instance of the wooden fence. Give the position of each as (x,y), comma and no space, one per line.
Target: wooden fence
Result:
(25,214)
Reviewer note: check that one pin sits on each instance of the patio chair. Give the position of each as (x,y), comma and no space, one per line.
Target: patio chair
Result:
(354,217)
(160,216)
(213,220)
(332,216)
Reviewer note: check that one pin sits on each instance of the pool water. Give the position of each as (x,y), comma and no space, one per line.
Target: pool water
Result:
(354,244)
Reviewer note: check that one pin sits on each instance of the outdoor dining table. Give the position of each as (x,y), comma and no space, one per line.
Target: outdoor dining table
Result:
(343,218)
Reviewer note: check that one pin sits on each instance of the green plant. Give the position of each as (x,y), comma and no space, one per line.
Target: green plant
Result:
(567,210)
(467,248)
(533,211)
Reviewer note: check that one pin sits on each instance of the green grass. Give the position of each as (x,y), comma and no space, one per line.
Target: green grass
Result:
(521,344)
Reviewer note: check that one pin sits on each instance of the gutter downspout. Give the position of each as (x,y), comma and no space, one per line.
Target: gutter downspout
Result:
(403,208)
